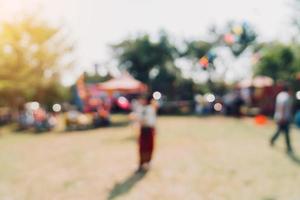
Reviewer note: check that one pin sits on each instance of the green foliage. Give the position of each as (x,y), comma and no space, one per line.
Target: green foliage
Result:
(197,49)
(237,36)
(52,93)
(140,55)
(153,62)
(32,55)
(150,62)
(279,62)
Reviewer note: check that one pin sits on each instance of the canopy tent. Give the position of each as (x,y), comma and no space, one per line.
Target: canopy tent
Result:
(87,95)
(124,84)
(261,92)
(258,82)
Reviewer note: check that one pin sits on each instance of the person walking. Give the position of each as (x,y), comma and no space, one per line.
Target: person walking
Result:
(283,116)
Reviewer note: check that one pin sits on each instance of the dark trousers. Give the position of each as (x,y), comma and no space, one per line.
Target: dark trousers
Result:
(146,144)
(285,129)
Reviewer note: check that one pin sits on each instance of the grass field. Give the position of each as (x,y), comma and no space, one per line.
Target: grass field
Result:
(195,159)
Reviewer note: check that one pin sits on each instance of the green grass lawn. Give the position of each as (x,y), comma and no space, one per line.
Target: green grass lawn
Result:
(196,158)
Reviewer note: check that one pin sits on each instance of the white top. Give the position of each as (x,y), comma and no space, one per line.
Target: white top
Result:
(283,107)
(136,106)
(148,116)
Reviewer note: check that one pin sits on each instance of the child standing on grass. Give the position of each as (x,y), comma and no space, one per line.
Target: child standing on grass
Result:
(147,120)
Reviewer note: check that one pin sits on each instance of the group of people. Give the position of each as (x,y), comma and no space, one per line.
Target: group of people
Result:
(38,119)
(95,113)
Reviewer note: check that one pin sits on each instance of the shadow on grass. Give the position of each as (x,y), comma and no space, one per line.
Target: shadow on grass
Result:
(119,124)
(124,187)
(130,139)
(294,158)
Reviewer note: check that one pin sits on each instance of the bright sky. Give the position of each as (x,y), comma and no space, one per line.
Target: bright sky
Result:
(93,24)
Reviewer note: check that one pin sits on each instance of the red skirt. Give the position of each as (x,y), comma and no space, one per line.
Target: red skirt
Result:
(146,144)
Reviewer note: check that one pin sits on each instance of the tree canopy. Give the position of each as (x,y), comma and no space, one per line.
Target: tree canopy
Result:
(32,56)
(278,61)
(151,62)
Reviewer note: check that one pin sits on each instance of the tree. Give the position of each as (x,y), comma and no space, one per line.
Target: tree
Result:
(238,36)
(150,62)
(227,44)
(158,63)
(278,61)
(32,57)
(196,49)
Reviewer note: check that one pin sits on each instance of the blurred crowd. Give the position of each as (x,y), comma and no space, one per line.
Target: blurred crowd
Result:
(237,102)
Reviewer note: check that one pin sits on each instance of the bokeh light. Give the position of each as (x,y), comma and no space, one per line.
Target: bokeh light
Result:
(157,95)
(56,107)
(218,107)
(34,105)
(210,98)
(122,100)
(298,95)
(123,103)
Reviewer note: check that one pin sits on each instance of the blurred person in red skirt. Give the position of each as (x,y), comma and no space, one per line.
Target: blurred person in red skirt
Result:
(146,116)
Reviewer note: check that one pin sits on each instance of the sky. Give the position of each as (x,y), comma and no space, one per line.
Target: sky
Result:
(94,24)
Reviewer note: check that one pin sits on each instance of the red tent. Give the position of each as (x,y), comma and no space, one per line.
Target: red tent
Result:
(264,94)
(124,84)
